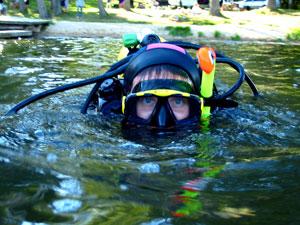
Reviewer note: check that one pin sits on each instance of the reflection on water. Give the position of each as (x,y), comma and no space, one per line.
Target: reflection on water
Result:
(60,167)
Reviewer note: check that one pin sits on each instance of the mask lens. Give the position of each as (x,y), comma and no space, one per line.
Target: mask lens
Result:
(145,106)
(180,107)
(162,110)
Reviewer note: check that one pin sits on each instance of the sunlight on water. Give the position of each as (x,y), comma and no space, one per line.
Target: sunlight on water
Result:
(66,205)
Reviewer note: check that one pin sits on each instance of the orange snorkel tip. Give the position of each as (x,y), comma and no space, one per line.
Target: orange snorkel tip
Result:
(206,57)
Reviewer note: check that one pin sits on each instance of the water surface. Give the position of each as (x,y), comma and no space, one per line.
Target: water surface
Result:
(58,166)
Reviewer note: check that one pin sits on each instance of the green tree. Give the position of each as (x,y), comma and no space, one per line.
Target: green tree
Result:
(293,4)
(290,4)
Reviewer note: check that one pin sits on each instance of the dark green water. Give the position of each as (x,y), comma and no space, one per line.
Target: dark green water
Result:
(58,166)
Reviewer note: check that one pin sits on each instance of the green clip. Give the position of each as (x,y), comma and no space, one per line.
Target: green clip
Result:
(130,40)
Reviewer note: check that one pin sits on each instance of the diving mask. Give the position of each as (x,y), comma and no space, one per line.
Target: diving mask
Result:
(162,108)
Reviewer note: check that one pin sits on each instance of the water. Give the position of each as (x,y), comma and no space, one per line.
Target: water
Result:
(58,166)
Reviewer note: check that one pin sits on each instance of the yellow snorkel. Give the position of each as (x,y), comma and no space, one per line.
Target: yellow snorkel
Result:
(207,62)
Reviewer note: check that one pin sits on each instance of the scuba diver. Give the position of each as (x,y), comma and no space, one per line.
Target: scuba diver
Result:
(157,85)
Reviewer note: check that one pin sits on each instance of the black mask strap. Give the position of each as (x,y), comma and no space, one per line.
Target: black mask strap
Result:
(178,85)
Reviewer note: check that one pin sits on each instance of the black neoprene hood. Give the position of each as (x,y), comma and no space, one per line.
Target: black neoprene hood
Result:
(162,54)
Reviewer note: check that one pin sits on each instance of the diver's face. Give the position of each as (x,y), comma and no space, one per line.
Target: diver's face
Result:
(145,106)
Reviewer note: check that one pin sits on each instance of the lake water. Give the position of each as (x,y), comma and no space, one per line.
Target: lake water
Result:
(58,166)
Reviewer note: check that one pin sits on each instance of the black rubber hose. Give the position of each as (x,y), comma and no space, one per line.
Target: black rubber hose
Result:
(90,97)
(97,85)
(120,63)
(239,68)
(66,87)
(247,78)
(223,59)
(219,55)
(251,85)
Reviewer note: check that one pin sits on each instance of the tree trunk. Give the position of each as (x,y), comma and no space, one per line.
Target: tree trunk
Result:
(127,5)
(271,4)
(102,11)
(21,5)
(214,8)
(278,4)
(296,4)
(291,4)
(56,7)
(42,9)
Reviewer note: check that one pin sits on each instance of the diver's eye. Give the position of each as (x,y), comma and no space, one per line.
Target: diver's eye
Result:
(149,100)
(176,101)
(180,107)
(145,106)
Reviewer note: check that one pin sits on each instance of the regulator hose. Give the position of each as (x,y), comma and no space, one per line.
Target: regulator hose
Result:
(97,85)
(34,98)
(119,68)
(251,85)
(188,45)
(238,67)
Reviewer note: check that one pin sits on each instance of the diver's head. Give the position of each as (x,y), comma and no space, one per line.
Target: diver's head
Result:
(162,86)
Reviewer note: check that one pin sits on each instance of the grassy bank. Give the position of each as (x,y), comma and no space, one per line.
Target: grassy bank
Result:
(294,35)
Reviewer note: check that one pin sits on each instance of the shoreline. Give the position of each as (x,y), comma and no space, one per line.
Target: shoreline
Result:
(235,26)
(242,26)
(116,30)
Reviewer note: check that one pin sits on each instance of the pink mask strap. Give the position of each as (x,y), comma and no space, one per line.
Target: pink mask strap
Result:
(165,45)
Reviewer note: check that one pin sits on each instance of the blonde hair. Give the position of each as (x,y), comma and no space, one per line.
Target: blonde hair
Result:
(162,72)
